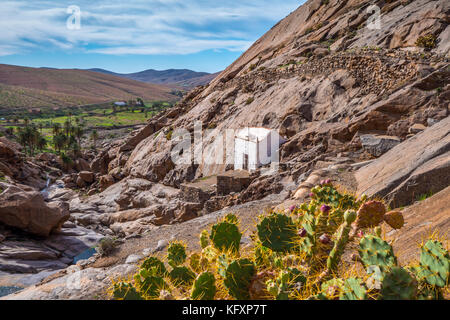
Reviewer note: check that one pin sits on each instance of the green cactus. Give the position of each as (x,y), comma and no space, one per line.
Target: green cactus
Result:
(231,218)
(197,263)
(204,239)
(342,239)
(176,254)
(398,284)
(125,291)
(435,264)
(182,276)
(156,264)
(204,287)
(148,283)
(374,251)
(278,232)
(238,277)
(353,289)
(222,265)
(225,236)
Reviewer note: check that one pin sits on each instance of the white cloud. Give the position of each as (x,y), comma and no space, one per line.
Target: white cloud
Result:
(138,26)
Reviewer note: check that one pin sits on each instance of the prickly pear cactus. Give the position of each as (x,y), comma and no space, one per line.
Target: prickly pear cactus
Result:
(398,284)
(204,239)
(394,219)
(370,214)
(342,239)
(374,251)
(176,254)
(353,289)
(125,291)
(222,264)
(197,262)
(434,264)
(182,276)
(231,218)
(153,263)
(277,232)
(204,287)
(148,283)
(238,277)
(225,236)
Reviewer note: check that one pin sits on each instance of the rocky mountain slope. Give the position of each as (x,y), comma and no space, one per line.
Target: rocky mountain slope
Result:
(368,109)
(43,87)
(183,78)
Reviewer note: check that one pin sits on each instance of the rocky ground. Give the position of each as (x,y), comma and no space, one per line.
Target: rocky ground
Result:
(365,108)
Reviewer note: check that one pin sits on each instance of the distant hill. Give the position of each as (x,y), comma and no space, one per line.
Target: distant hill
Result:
(46,87)
(183,78)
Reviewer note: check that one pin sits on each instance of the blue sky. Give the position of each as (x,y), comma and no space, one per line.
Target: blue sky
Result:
(134,35)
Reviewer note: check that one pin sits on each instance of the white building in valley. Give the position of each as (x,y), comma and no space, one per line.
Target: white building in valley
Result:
(256,147)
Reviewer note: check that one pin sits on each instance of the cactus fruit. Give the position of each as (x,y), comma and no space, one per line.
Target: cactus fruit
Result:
(148,283)
(153,263)
(277,232)
(353,289)
(434,264)
(238,277)
(342,239)
(176,254)
(204,287)
(302,232)
(204,239)
(398,284)
(125,291)
(394,219)
(374,251)
(225,236)
(325,238)
(370,214)
(181,276)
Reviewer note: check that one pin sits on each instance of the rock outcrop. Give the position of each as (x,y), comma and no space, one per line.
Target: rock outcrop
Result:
(24,208)
(418,166)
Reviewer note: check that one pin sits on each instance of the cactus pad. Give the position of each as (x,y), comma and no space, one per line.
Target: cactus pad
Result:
(353,289)
(148,283)
(435,264)
(155,264)
(181,276)
(277,232)
(238,277)
(225,236)
(204,287)
(176,254)
(370,214)
(204,239)
(374,251)
(125,291)
(398,284)
(394,219)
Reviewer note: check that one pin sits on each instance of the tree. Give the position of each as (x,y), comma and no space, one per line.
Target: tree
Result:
(94,137)
(59,141)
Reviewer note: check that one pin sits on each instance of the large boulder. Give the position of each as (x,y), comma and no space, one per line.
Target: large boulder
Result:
(24,208)
(420,165)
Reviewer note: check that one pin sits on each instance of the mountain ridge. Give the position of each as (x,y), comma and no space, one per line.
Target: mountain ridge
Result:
(183,78)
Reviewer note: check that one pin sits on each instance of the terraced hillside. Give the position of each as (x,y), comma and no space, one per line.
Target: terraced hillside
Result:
(22,87)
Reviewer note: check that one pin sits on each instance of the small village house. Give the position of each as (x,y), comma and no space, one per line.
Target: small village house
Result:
(256,147)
